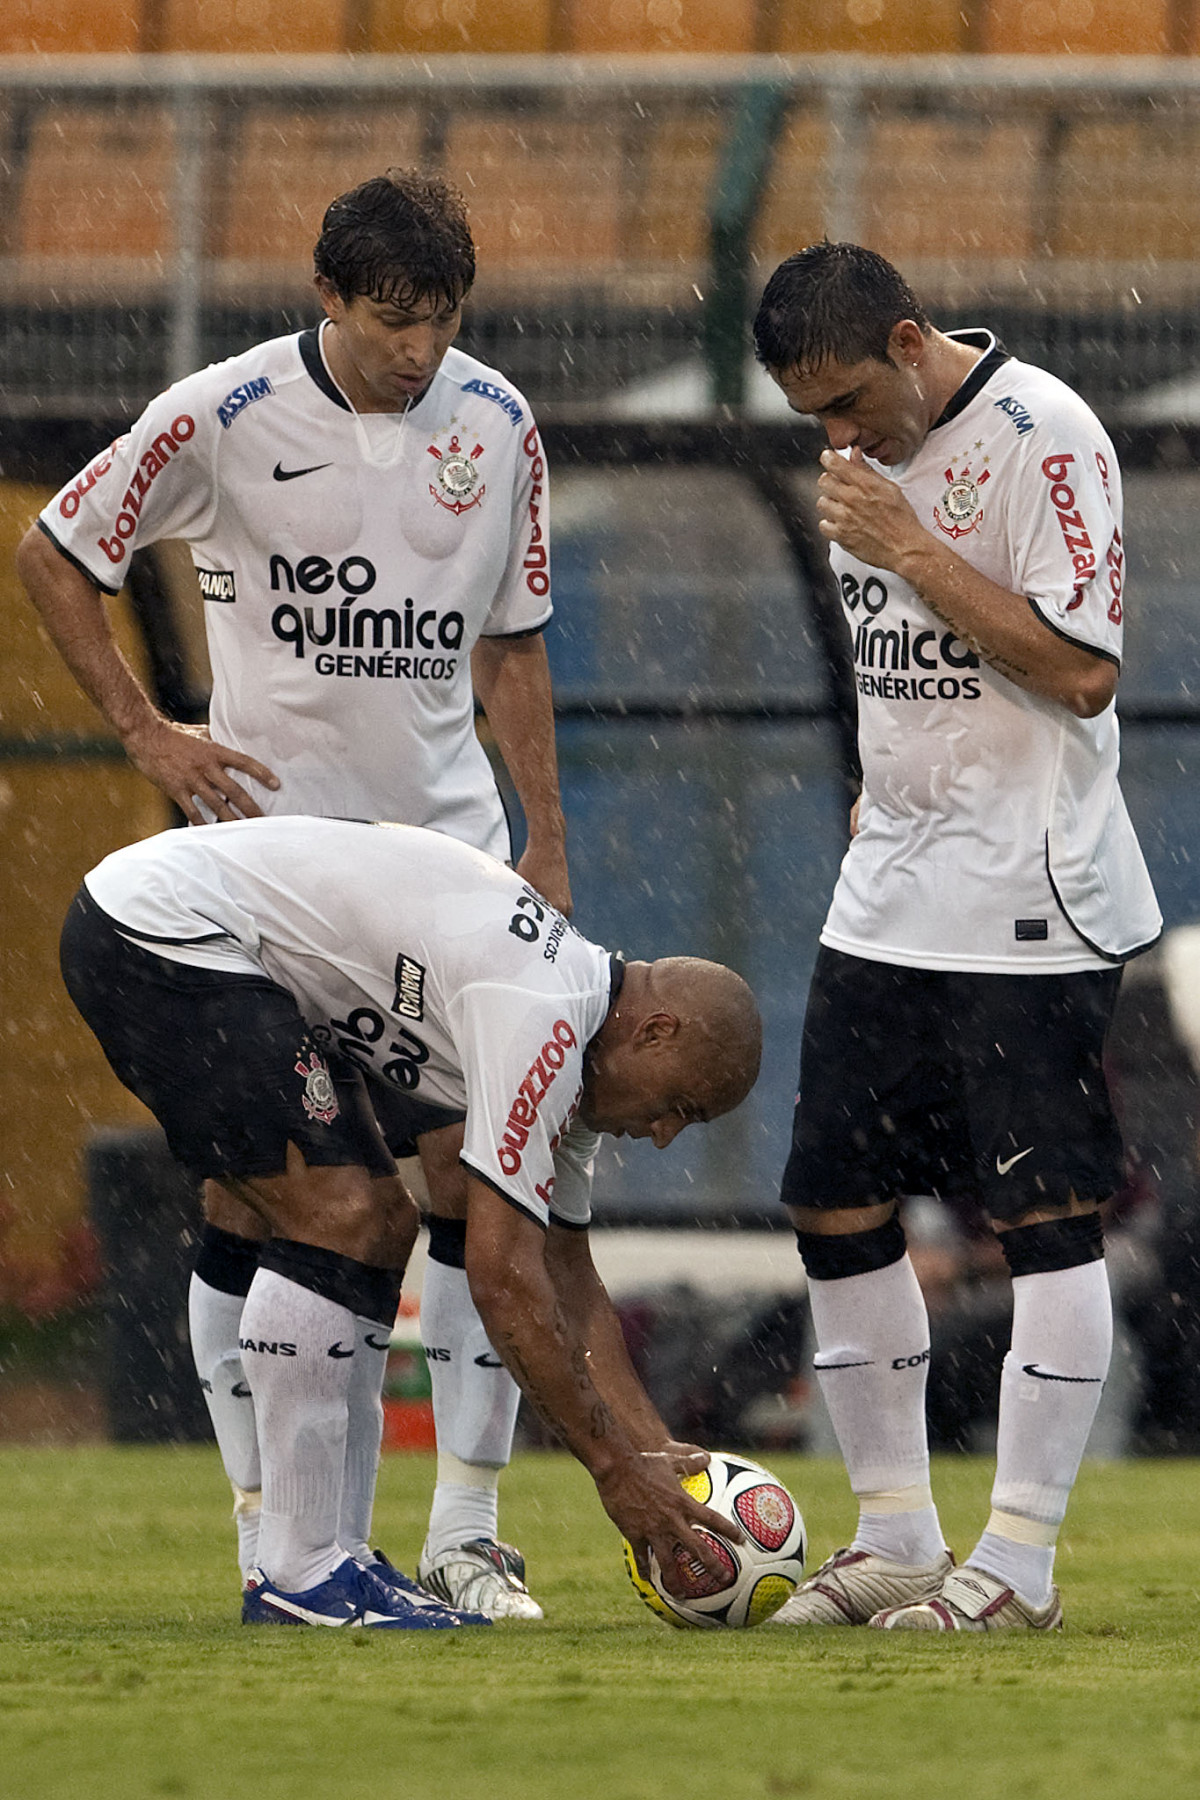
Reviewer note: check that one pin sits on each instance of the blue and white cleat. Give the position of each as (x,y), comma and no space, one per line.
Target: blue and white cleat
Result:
(386,1571)
(354,1596)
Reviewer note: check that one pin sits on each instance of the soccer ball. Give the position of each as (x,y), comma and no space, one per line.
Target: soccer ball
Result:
(761,1572)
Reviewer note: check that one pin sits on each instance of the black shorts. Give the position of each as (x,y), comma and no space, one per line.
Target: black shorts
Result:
(225,1062)
(917,1081)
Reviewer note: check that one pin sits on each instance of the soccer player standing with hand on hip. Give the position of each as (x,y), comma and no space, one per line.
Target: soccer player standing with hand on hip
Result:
(970,961)
(366,510)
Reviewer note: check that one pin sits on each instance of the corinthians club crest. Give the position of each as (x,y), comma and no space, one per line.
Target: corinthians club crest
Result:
(458,485)
(960,509)
(319,1098)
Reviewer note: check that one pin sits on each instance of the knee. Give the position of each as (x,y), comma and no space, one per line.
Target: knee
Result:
(834,1256)
(1043,1246)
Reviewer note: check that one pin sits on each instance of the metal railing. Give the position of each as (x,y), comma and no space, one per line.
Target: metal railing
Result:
(626,207)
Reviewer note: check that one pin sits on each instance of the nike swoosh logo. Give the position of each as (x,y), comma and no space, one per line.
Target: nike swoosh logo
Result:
(488,1362)
(1076,1380)
(1002,1168)
(336,1350)
(240,1391)
(386,1344)
(282,474)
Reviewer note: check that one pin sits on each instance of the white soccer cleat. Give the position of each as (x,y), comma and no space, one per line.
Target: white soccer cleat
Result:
(481,1576)
(854,1585)
(971,1600)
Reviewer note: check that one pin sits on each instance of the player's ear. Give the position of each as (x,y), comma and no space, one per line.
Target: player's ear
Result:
(330,299)
(658,1028)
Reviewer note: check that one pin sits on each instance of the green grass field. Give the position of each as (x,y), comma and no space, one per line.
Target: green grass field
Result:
(124,1671)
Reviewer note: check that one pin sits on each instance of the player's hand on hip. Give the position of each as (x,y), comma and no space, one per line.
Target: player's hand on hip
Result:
(643,1498)
(185,763)
(864,512)
(546,872)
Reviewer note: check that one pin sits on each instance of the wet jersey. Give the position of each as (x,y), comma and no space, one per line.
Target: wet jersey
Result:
(431,965)
(348,564)
(992,831)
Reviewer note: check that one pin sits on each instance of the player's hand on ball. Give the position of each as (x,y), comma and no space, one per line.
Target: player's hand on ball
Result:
(185,763)
(645,1501)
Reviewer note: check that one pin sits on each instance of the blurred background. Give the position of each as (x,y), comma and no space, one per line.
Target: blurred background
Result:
(634,170)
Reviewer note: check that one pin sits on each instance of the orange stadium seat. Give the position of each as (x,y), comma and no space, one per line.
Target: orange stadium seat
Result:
(668,181)
(82,26)
(252,26)
(1083,27)
(1126,190)
(544,192)
(932,190)
(284,168)
(97,183)
(615,26)
(793,208)
(435,27)
(867,27)
(946,190)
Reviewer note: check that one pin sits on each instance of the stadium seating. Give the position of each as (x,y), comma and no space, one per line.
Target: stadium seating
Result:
(1083,27)
(868,27)
(29,27)
(437,27)
(945,191)
(285,165)
(668,179)
(544,191)
(617,26)
(96,183)
(1126,191)
(249,27)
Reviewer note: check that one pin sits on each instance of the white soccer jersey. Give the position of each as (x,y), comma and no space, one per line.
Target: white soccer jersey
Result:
(992,832)
(348,563)
(430,964)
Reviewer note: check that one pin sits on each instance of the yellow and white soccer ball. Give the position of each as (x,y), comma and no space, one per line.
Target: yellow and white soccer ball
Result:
(761,1572)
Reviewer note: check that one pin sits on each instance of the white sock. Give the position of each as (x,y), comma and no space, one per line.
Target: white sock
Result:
(475,1402)
(214,1318)
(465,1505)
(364,1434)
(300,1373)
(872,1359)
(1049,1391)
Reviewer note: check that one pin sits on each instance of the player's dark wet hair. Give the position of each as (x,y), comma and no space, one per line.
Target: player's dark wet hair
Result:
(832,301)
(400,237)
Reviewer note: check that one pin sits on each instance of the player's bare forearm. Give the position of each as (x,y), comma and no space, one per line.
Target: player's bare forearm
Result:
(586,1303)
(534,1335)
(868,515)
(181,760)
(77,620)
(512,680)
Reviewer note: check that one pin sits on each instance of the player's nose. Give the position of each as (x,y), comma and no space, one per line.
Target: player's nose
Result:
(664,1131)
(421,350)
(841,433)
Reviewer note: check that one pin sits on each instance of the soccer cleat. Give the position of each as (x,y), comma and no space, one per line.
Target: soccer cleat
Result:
(482,1576)
(386,1571)
(353,1595)
(853,1585)
(971,1600)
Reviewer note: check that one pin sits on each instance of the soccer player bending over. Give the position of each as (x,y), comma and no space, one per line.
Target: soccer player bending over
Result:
(970,961)
(255,983)
(366,507)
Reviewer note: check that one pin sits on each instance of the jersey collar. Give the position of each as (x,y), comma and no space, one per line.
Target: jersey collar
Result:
(314,362)
(309,343)
(994,354)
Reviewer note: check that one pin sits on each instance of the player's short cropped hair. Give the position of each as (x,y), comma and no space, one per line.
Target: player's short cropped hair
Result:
(402,236)
(834,301)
